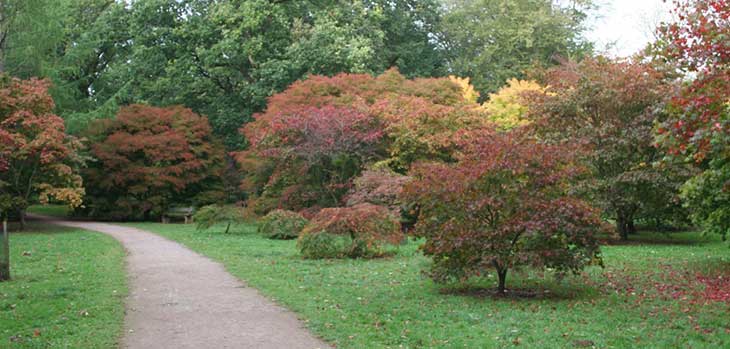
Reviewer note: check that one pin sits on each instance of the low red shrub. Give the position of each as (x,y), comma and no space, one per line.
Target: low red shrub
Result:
(358,231)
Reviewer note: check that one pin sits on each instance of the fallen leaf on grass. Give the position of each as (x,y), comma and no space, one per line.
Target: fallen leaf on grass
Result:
(583,343)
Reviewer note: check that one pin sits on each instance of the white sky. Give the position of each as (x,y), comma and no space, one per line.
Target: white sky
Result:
(623,27)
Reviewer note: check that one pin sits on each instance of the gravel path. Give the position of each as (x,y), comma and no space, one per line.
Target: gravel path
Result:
(180,299)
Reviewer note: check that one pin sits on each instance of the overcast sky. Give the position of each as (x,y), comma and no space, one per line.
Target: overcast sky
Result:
(626,24)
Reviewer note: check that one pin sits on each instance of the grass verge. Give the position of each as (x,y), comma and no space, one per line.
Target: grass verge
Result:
(647,296)
(67,290)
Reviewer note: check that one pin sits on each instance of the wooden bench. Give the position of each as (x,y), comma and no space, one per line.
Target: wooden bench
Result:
(185,213)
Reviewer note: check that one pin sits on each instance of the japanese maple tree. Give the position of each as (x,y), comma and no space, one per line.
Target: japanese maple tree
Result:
(38,160)
(320,133)
(149,158)
(505,204)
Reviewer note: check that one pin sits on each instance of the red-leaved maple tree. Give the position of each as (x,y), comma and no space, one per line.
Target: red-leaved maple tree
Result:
(320,133)
(505,204)
(38,161)
(149,158)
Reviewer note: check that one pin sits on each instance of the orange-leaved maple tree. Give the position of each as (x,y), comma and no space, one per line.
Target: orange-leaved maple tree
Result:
(38,161)
(150,158)
(507,203)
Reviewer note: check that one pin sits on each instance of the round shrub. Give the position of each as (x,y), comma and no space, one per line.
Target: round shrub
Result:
(282,224)
(361,231)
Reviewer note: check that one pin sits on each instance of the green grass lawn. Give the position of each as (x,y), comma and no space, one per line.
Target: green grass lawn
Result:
(67,290)
(389,303)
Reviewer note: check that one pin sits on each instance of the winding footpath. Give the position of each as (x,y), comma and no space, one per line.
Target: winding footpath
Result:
(180,299)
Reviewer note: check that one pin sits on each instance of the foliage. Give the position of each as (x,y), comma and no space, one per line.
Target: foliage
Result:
(282,224)
(378,187)
(359,231)
(699,125)
(508,107)
(209,216)
(495,40)
(27,32)
(698,129)
(38,161)
(611,107)
(149,158)
(468,92)
(505,204)
(320,133)
(222,59)
(708,197)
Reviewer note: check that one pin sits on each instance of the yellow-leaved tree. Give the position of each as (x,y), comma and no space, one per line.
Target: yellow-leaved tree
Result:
(508,107)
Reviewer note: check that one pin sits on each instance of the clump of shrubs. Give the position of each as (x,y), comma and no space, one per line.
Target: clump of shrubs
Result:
(282,225)
(360,231)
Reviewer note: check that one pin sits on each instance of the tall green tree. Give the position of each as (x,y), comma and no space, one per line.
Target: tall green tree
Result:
(220,58)
(28,32)
(492,41)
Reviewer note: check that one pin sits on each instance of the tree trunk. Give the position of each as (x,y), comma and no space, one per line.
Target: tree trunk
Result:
(21,217)
(502,275)
(625,225)
(5,260)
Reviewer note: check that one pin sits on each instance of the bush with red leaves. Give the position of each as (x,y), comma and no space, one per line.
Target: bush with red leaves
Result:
(505,204)
(149,158)
(361,231)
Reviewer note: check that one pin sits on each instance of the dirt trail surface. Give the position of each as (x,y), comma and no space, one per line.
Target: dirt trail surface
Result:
(180,299)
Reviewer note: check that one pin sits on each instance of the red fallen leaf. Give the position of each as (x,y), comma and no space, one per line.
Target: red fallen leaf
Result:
(36,333)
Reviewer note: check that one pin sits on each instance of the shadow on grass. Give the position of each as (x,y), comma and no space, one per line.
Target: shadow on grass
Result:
(533,289)
(685,238)
(38,227)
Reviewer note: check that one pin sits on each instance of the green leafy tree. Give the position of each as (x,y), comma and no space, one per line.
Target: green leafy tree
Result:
(492,41)
(28,34)
(220,58)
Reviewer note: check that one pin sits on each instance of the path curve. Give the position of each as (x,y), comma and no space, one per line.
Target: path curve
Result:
(180,299)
